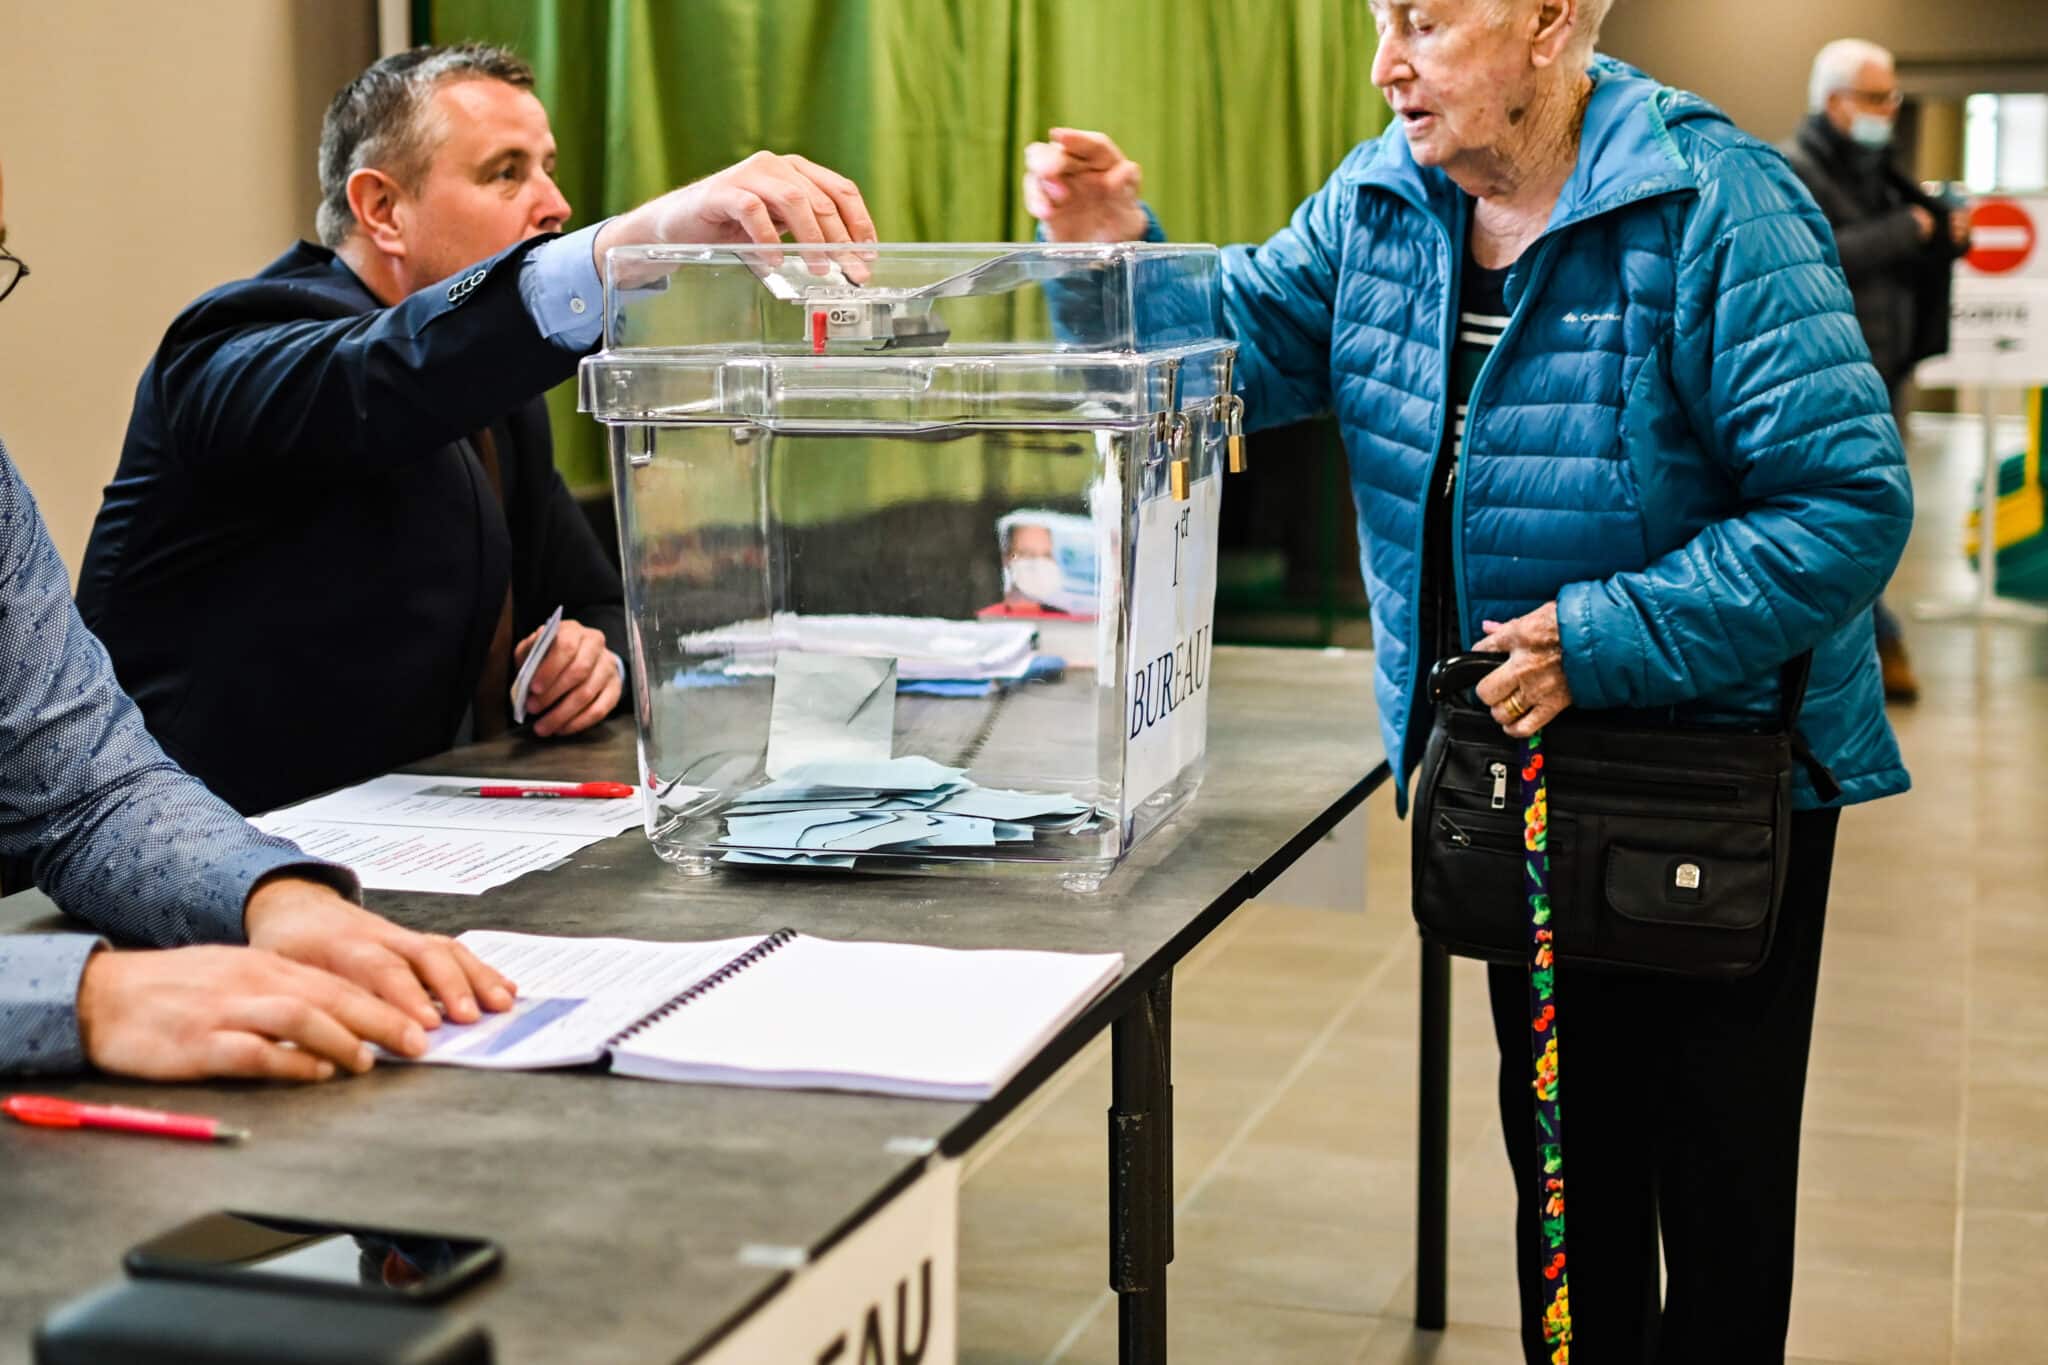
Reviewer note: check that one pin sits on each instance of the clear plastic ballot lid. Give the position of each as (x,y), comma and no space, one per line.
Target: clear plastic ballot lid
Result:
(908,336)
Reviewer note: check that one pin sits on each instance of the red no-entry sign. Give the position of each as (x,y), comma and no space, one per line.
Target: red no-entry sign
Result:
(2002,236)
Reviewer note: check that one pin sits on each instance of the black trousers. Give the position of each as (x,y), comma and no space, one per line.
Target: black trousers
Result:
(1681,1105)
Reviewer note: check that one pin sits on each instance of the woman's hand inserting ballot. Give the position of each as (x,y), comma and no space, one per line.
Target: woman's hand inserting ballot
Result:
(761,199)
(577,684)
(1083,188)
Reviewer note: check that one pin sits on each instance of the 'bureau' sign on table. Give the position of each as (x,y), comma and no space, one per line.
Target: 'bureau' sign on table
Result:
(1173,615)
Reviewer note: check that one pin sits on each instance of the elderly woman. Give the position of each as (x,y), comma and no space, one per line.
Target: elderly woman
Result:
(1608,411)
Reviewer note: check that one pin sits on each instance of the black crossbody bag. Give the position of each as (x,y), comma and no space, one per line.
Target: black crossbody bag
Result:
(1668,845)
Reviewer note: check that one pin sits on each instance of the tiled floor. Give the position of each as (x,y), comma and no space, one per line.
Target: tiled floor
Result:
(1924,1202)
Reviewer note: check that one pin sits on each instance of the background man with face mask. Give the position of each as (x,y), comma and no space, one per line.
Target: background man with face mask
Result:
(1897,243)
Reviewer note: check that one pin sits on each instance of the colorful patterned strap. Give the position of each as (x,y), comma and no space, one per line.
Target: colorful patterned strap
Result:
(1557,1316)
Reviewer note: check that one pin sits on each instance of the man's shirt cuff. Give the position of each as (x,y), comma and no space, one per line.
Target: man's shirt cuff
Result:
(39,976)
(558,284)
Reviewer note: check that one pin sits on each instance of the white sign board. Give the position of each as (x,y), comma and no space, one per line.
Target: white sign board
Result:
(1173,629)
(888,1292)
(1998,335)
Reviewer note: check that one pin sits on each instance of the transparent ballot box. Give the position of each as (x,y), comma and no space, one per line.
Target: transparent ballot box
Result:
(919,547)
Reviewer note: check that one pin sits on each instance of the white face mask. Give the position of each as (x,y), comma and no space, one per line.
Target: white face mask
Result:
(1036,577)
(1871,130)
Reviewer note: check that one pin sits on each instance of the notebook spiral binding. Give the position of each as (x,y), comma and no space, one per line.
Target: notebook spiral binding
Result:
(971,750)
(723,974)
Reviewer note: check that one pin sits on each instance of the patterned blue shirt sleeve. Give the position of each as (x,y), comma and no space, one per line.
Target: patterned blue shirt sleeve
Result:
(558,284)
(116,833)
(39,975)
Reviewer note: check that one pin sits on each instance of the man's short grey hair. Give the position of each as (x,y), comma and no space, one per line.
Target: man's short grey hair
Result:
(1838,67)
(380,119)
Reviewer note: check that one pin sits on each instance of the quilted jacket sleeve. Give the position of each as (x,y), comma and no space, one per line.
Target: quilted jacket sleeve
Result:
(1279,301)
(1782,395)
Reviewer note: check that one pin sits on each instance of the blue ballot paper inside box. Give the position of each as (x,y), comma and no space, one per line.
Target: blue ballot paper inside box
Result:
(828,814)
(788,489)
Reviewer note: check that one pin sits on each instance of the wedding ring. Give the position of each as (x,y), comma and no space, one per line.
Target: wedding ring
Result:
(1515,707)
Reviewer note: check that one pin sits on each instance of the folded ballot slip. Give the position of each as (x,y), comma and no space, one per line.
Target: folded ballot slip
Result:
(523,684)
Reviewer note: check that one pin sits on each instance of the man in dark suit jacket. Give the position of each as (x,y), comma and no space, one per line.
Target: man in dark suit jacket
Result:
(336,509)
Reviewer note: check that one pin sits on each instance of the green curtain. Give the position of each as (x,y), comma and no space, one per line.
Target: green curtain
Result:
(1237,109)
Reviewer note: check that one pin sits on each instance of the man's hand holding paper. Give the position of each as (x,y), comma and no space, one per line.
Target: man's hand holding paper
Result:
(576,685)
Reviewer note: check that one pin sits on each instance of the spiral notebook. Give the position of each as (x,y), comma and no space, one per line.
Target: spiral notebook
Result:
(787,1011)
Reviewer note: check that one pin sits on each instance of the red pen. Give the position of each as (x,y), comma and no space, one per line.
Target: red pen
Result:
(47,1111)
(591,791)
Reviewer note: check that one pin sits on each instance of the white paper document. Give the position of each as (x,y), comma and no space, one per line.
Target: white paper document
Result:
(923,647)
(782,1010)
(453,862)
(897,1018)
(575,995)
(400,833)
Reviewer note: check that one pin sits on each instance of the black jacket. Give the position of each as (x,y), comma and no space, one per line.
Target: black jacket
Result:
(298,566)
(1901,284)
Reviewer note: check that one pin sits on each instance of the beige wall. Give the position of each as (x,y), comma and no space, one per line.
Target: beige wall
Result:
(1751,57)
(152,150)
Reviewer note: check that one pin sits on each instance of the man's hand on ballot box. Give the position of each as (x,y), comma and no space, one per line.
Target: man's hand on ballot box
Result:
(1083,188)
(576,685)
(758,200)
(314,925)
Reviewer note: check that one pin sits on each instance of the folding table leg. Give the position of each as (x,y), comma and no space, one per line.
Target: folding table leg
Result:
(1141,1172)
(1433,1136)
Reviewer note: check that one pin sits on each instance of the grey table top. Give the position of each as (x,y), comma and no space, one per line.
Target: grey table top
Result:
(623,1205)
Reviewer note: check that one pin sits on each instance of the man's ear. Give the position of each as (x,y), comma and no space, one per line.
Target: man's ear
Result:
(379,208)
(1551,30)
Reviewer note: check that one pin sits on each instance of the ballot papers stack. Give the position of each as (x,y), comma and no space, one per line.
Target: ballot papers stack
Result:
(955,510)
(831,814)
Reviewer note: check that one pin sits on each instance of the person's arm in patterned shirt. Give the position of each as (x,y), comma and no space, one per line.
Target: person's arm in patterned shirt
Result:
(123,839)
(180,1014)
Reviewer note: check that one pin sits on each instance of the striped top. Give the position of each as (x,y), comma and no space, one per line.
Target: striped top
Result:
(1482,317)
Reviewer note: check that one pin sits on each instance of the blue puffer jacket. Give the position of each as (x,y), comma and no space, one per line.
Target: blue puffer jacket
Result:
(1680,436)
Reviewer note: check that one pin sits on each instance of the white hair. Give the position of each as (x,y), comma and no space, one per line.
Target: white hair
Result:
(1585,29)
(1838,67)
(1592,14)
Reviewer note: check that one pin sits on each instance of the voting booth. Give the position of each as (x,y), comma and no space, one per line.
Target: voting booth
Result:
(919,546)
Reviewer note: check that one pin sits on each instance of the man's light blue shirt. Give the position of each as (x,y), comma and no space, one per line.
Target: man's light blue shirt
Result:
(558,284)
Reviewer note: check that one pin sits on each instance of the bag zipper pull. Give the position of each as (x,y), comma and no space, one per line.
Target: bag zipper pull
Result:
(1457,835)
(1500,785)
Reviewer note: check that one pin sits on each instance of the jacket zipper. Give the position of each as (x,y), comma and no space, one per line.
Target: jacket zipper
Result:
(1539,270)
(1447,331)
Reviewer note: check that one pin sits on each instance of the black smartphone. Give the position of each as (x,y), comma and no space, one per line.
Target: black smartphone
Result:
(257,1250)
